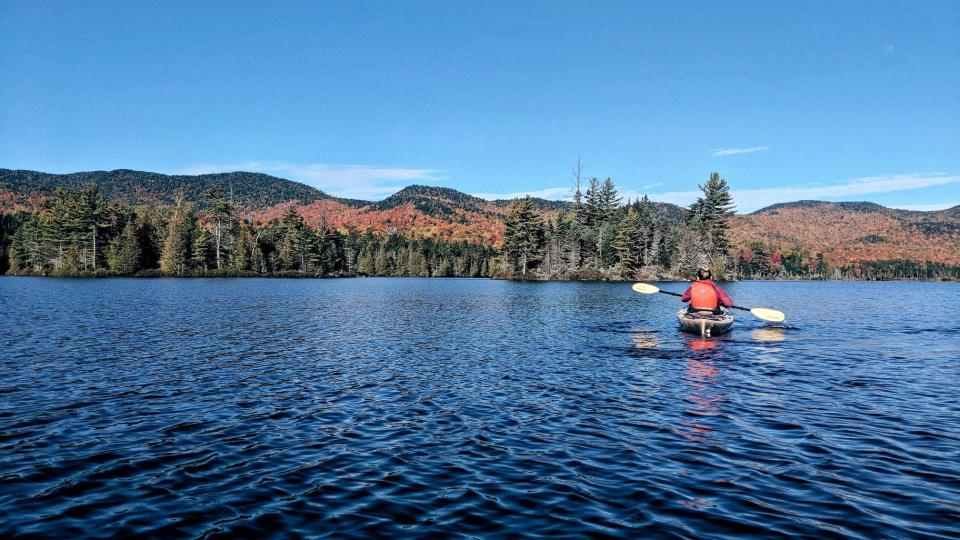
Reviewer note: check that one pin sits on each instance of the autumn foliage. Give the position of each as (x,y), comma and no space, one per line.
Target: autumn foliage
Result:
(845,236)
(407,220)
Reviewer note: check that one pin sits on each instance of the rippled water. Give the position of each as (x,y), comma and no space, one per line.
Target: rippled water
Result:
(406,407)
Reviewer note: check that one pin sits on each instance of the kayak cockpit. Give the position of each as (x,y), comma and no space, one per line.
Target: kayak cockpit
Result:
(705,324)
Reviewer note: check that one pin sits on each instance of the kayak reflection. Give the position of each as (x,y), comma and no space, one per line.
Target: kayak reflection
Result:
(702,344)
(703,398)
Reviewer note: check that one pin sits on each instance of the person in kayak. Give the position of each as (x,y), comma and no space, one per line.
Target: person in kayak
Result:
(705,295)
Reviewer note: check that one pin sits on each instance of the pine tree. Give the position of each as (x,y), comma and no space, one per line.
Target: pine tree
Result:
(590,211)
(8,226)
(382,261)
(222,214)
(91,209)
(63,230)
(608,200)
(713,210)
(524,235)
(123,255)
(630,244)
(200,253)
(175,255)
(243,252)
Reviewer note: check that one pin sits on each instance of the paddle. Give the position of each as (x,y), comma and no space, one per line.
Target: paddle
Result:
(771,315)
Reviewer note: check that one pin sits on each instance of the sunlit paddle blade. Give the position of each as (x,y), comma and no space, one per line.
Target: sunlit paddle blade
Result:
(644,288)
(771,315)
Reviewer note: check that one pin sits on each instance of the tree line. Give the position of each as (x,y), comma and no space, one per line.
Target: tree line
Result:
(78,233)
(597,237)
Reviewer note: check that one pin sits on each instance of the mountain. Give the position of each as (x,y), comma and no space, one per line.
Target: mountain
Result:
(434,201)
(847,232)
(250,190)
(844,232)
(433,212)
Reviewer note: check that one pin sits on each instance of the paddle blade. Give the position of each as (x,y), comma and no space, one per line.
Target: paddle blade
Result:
(771,315)
(644,288)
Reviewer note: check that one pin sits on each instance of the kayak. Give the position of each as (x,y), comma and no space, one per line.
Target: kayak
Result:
(705,324)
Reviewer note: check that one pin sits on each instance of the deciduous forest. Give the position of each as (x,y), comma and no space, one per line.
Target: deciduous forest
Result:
(436,232)
(79,233)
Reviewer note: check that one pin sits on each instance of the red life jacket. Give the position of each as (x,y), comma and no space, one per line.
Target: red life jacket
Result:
(703,296)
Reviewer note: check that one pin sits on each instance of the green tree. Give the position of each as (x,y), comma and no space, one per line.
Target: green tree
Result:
(123,255)
(223,226)
(90,215)
(523,239)
(630,244)
(200,252)
(175,256)
(8,226)
(243,254)
(713,210)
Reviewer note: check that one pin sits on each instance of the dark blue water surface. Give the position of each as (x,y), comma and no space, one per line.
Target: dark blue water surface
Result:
(407,407)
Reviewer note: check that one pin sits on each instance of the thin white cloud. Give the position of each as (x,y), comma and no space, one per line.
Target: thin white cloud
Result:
(369,182)
(748,200)
(720,152)
(926,207)
(553,194)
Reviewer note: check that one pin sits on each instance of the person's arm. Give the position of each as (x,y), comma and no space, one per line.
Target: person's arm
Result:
(686,295)
(722,297)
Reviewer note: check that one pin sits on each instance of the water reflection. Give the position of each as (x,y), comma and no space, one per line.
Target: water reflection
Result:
(703,397)
(645,341)
(769,334)
(422,408)
(701,344)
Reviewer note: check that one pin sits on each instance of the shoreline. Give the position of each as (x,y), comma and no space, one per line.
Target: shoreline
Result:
(158,275)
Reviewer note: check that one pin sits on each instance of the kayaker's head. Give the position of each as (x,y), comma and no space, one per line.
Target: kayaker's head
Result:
(704,273)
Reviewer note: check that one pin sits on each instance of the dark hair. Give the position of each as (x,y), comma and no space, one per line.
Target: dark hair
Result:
(704,274)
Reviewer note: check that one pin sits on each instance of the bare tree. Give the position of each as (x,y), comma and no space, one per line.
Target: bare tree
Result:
(577,176)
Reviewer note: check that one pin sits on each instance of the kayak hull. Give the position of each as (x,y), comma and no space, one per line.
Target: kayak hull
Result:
(705,325)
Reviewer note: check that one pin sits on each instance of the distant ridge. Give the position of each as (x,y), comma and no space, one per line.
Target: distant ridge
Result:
(434,201)
(847,232)
(853,206)
(255,190)
(844,232)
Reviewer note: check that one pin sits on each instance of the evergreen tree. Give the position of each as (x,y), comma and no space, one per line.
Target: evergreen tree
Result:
(123,255)
(713,210)
(608,200)
(630,244)
(90,215)
(524,235)
(200,253)
(151,232)
(8,226)
(590,211)
(175,255)
(243,253)
(222,215)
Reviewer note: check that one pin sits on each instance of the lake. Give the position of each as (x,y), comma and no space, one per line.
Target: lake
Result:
(420,407)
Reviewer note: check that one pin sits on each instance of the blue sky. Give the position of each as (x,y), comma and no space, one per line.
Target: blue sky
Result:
(787,100)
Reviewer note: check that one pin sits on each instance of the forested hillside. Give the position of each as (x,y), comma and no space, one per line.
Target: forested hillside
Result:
(597,238)
(247,190)
(248,223)
(846,234)
(79,232)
